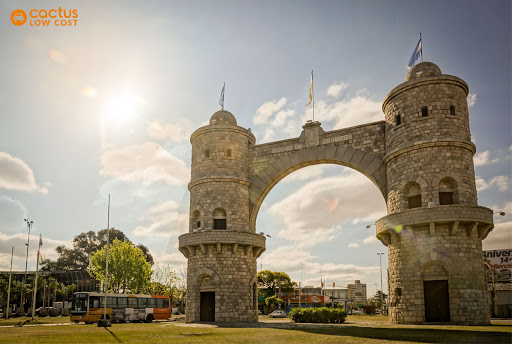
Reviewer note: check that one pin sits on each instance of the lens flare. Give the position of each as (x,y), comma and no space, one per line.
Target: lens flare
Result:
(89,91)
(57,56)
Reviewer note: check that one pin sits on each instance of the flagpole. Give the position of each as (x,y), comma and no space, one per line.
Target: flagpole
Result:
(9,289)
(105,323)
(35,282)
(313,91)
(421,48)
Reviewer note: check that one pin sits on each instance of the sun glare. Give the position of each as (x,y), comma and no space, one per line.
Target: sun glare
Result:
(123,108)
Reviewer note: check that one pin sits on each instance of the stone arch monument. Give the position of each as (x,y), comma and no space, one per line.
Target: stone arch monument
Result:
(421,159)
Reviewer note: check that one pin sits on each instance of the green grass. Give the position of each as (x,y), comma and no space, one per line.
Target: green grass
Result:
(356,330)
(37,320)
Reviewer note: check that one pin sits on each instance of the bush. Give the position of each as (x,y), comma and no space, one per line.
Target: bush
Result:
(318,315)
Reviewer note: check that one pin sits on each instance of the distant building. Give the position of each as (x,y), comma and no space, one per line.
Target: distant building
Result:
(357,293)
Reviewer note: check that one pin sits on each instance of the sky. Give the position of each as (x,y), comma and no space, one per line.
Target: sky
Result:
(108,106)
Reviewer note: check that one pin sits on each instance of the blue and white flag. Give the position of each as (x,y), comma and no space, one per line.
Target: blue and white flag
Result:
(417,53)
(221,99)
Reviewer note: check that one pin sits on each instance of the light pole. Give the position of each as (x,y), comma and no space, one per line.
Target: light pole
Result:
(29,225)
(381,290)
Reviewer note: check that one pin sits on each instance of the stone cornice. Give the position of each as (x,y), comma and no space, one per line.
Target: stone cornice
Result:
(425,144)
(218,179)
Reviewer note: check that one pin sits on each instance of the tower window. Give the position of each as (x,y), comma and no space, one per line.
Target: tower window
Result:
(452,110)
(448,193)
(198,224)
(445,198)
(414,201)
(412,193)
(207,153)
(228,153)
(424,111)
(219,223)
(219,219)
(398,119)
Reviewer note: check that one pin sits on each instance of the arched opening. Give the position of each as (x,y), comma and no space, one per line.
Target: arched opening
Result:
(412,194)
(219,219)
(316,217)
(196,222)
(448,191)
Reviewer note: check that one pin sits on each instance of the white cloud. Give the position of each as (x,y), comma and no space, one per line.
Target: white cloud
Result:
(502,183)
(176,258)
(268,135)
(310,216)
(146,163)
(481,184)
(177,131)
(19,240)
(500,237)
(166,219)
(312,172)
(354,244)
(483,158)
(336,89)
(266,111)
(347,113)
(472,99)
(17,175)
(372,239)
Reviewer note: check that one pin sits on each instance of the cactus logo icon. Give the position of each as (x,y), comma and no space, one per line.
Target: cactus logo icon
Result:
(18,17)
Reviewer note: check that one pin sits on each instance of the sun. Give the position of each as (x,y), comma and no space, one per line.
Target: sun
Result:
(123,108)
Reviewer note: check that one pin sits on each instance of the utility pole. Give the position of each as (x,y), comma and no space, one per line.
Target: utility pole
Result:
(105,322)
(29,225)
(9,289)
(381,291)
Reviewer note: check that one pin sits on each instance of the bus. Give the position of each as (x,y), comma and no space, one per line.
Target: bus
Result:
(88,307)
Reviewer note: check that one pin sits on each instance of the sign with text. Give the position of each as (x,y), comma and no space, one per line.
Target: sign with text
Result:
(500,264)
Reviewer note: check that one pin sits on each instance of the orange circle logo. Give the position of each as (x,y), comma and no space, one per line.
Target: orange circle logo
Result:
(18,17)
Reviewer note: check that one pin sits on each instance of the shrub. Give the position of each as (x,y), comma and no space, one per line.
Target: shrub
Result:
(318,315)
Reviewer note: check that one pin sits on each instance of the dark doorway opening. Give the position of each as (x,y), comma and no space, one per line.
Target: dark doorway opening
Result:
(437,304)
(207,307)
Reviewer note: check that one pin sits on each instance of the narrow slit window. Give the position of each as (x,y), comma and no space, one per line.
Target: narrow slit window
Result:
(424,111)
(228,153)
(452,110)
(398,119)
(207,153)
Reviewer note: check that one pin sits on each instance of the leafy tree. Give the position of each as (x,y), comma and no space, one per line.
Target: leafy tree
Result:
(272,301)
(274,280)
(128,269)
(375,300)
(84,245)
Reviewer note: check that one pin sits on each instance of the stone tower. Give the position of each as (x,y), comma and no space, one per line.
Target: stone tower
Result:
(434,227)
(220,248)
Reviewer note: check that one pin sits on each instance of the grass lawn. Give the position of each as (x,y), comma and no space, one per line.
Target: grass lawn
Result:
(356,330)
(37,320)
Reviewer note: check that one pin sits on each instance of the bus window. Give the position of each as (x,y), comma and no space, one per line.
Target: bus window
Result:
(111,302)
(132,302)
(152,303)
(159,303)
(143,302)
(94,302)
(122,302)
(166,303)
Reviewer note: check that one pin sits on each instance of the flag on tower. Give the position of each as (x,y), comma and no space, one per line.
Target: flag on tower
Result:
(40,257)
(221,99)
(310,90)
(418,51)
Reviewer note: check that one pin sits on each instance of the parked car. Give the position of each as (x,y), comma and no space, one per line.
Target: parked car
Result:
(278,314)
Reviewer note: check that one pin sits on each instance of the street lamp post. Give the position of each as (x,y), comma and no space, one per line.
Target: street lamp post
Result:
(381,290)
(29,225)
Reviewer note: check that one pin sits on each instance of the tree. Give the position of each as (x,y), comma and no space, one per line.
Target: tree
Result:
(128,269)
(274,280)
(85,244)
(375,300)
(272,301)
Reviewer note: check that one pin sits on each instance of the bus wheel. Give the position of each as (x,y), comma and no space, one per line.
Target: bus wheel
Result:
(149,318)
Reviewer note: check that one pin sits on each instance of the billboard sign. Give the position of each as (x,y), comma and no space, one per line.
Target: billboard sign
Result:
(499,262)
